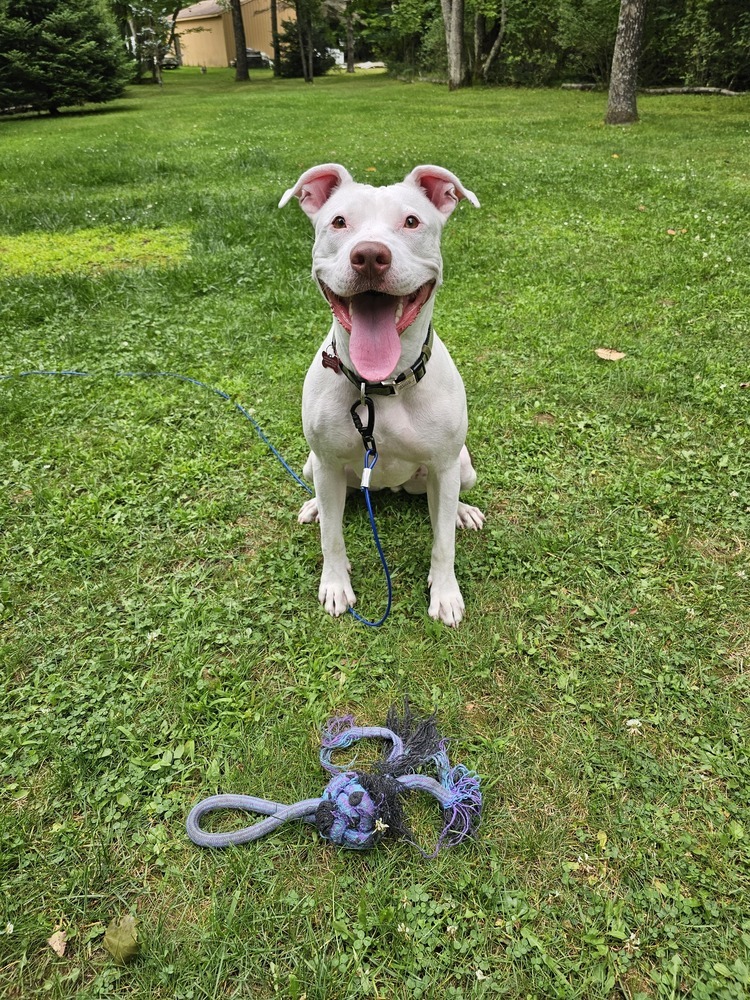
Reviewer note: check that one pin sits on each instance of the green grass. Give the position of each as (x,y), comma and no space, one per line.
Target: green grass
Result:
(159,628)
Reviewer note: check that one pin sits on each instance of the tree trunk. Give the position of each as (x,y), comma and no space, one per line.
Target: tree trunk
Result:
(135,49)
(480,35)
(155,54)
(156,70)
(173,27)
(349,40)
(275,38)
(453,20)
(310,50)
(621,106)
(446,8)
(302,45)
(240,45)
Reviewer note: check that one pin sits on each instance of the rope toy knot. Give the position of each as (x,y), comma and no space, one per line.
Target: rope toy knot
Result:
(348,815)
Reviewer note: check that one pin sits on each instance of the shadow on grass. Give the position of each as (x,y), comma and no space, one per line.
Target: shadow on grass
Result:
(40,114)
(389,503)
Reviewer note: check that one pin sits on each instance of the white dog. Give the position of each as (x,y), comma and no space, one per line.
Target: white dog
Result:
(377,261)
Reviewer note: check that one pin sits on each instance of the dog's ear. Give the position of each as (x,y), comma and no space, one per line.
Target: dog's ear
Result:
(442,188)
(316,186)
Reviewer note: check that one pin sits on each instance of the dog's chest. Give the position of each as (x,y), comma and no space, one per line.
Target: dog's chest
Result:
(401,449)
(404,438)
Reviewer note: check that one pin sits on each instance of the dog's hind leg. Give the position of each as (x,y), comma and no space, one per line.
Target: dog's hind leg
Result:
(468,473)
(469,517)
(308,512)
(466,515)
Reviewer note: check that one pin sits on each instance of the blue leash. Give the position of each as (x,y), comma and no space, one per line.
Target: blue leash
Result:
(371,456)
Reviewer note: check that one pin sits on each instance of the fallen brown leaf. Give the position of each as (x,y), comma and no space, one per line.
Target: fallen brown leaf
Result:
(607,354)
(58,942)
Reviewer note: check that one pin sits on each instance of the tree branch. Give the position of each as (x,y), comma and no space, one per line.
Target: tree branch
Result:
(498,41)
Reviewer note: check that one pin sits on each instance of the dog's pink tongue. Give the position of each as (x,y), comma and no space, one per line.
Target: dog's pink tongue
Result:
(374,345)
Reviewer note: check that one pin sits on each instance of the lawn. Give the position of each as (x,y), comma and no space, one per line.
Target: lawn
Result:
(160,634)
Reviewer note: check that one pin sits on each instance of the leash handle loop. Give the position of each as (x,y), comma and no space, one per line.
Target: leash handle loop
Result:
(371,457)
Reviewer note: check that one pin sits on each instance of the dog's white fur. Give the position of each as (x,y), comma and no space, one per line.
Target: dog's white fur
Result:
(420,432)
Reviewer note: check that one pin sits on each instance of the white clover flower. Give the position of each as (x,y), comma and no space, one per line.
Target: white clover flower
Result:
(632,944)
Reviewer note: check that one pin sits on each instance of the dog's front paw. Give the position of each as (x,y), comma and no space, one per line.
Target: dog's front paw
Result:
(336,594)
(469,517)
(446,603)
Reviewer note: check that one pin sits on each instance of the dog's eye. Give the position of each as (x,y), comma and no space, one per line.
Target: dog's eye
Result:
(411,222)
(339,222)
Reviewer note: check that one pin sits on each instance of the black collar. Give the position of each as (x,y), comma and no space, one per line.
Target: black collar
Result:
(391,386)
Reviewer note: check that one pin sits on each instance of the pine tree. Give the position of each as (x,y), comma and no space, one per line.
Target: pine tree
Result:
(58,53)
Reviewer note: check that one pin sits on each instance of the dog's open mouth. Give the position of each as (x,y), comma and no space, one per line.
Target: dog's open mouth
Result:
(376,321)
(402,309)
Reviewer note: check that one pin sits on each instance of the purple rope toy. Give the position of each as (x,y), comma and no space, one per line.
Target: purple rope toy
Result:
(357,809)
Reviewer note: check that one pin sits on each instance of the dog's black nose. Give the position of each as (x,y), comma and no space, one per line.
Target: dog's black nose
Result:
(371,260)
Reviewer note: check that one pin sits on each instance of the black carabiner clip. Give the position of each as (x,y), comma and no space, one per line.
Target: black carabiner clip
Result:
(365,431)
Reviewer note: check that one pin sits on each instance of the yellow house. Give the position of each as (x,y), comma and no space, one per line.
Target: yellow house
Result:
(206,36)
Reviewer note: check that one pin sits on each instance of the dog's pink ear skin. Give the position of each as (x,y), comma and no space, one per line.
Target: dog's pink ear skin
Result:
(442,188)
(316,186)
